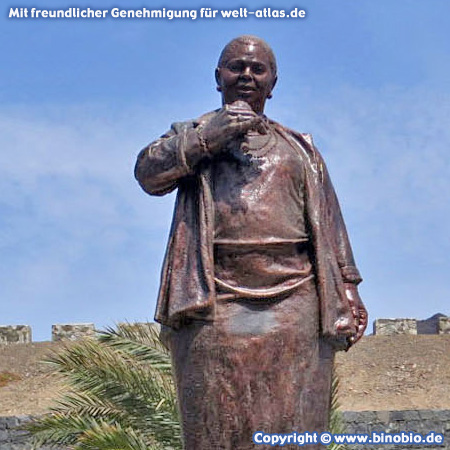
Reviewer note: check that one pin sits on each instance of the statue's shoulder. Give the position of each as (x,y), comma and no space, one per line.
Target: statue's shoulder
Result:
(305,144)
(308,138)
(303,138)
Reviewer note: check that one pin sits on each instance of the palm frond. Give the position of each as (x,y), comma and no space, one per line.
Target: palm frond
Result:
(121,394)
(141,341)
(112,375)
(104,436)
(59,429)
(337,425)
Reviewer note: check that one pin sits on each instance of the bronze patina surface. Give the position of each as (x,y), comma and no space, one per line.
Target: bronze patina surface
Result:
(259,284)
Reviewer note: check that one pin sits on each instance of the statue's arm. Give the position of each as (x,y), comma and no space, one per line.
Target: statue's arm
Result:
(175,155)
(338,232)
(344,254)
(332,212)
(163,163)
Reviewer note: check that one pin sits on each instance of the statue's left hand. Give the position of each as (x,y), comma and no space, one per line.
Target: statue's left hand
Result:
(359,312)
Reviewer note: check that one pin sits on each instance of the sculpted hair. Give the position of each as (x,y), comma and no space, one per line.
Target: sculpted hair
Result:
(248,39)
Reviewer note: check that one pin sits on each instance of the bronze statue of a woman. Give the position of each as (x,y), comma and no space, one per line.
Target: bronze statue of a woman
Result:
(259,284)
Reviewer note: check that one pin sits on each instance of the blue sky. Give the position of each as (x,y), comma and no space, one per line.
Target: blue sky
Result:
(79,240)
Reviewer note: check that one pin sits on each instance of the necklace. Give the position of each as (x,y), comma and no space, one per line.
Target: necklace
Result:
(258,145)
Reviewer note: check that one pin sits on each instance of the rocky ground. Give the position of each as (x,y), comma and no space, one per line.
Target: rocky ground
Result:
(396,372)
(380,373)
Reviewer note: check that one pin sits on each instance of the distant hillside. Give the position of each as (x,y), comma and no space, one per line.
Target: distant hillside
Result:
(379,373)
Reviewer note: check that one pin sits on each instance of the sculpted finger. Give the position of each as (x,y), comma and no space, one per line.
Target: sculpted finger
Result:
(358,335)
(261,127)
(362,324)
(242,113)
(240,125)
(353,309)
(240,108)
(363,320)
(255,123)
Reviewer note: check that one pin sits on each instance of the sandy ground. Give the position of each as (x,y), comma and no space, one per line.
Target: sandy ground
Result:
(396,372)
(379,373)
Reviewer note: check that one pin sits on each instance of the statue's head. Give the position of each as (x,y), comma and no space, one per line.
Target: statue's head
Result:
(247,71)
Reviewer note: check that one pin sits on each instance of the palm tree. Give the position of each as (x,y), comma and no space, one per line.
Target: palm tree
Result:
(337,425)
(121,394)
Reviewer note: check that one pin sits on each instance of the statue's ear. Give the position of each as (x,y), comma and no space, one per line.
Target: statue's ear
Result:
(274,81)
(217,75)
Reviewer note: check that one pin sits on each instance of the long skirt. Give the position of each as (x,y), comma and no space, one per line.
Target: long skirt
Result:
(260,366)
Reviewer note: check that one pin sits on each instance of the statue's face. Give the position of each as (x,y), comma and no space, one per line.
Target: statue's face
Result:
(246,75)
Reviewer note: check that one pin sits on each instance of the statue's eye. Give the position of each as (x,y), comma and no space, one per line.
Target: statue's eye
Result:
(235,67)
(258,69)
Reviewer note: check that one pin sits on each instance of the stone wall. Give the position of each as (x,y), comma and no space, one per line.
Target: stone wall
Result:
(422,421)
(15,334)
(12,334)
(72,331)
(437,324)
(444,325)
(13,438)
(389,327)
(433,325)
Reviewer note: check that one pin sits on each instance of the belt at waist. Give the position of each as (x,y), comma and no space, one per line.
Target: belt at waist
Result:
(261,271)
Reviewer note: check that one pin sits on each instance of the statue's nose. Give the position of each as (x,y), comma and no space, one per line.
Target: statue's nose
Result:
(247,73)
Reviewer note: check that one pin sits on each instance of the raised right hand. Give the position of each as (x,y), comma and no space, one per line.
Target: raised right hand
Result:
(231,123)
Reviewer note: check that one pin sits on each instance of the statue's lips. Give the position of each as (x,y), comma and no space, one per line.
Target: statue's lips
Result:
(245,88)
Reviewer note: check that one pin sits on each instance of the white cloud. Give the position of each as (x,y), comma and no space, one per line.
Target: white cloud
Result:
(387,152)
(77,234)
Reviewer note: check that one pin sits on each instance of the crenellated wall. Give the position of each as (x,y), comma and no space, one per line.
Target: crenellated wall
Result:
(21,334)
(15,334)
(437,324)
(72,331)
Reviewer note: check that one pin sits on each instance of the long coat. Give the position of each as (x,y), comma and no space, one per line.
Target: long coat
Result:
(187,281)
